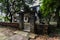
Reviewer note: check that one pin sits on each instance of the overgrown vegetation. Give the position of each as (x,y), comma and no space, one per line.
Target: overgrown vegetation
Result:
(10,7)
(49,7)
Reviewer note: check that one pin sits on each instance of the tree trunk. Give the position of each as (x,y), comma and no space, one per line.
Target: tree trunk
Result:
(57,16)
(59,21)
(8,11)
(11,18)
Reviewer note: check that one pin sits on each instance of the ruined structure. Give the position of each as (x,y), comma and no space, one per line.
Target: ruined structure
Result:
(26,19)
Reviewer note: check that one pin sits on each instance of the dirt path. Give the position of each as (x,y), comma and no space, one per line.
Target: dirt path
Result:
(46,38)
(8,33)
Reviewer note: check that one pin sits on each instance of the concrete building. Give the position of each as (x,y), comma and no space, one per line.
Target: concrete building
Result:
(35,5)
(26,19)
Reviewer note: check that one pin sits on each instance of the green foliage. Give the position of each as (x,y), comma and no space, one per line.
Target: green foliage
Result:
(48,6)
(16,7)
(1,1)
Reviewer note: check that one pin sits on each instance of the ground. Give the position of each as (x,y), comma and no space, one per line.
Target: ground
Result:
(9,33)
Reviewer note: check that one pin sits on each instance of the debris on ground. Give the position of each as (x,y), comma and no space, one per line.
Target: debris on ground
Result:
(17,37)
(8,33)
(32,35)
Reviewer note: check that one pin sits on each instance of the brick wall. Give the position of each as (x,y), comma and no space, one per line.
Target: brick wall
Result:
(9,24)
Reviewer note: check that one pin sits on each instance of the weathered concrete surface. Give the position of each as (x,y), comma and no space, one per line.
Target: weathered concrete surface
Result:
(12,34)
(21,33)
(17,37)
(32,35)
(2,36)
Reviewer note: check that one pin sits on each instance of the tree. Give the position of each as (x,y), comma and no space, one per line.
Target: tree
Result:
(48,7)
(14,6)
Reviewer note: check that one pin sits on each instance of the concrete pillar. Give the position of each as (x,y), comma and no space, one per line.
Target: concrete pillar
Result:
(21,25)
(32,21)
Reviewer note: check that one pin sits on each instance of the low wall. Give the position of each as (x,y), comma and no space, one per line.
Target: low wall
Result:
(38,29)
(9,24)
(45,29)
